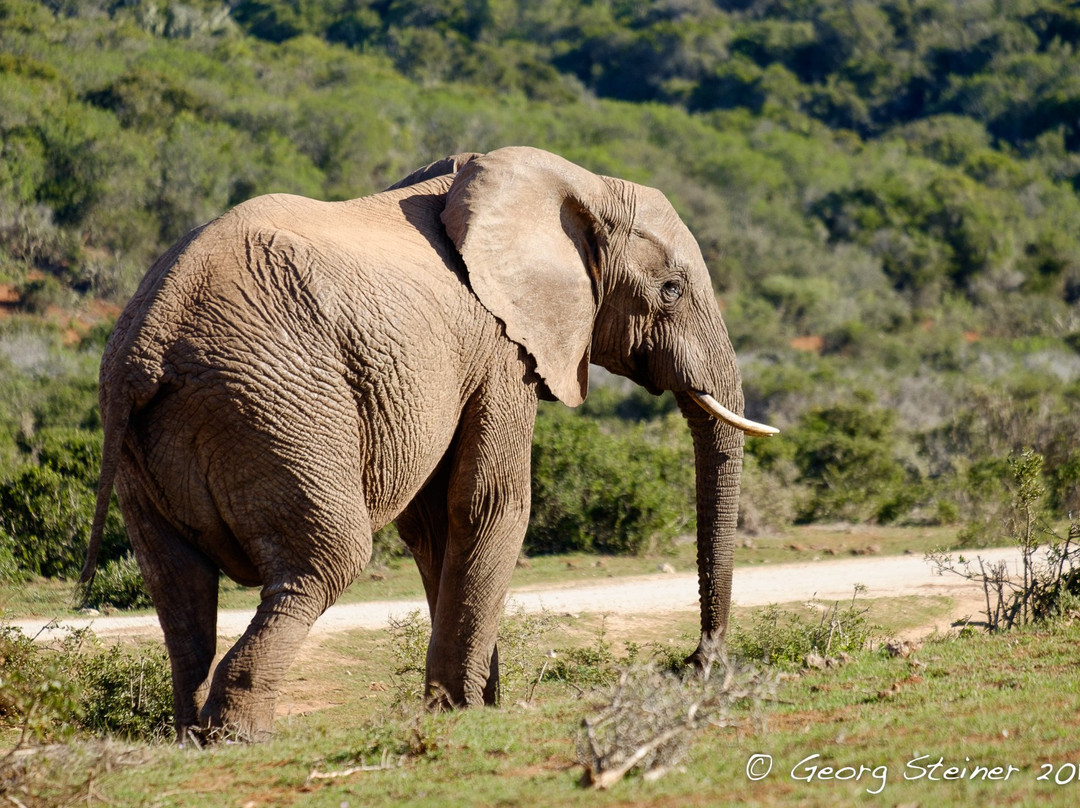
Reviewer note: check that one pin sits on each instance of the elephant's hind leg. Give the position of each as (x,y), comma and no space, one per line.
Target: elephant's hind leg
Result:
(296,591)
(246,683)
(183,584)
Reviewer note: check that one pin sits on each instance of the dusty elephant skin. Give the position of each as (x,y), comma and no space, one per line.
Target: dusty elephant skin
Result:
(296,374)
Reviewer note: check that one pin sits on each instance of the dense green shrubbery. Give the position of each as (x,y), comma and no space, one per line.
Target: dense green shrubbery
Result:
(847,456)
(126,693)
(840,462)
(47,507)
(936,193)
(612,490)
(82,686)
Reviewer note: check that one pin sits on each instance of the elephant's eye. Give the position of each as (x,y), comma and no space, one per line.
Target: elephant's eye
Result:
(671,291)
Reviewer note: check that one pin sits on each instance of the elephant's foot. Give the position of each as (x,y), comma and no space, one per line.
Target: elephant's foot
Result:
(199,736)
(246,722)
(455,692)
(709,652)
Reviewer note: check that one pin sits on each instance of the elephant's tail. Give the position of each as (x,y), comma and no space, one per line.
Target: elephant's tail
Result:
(116,423)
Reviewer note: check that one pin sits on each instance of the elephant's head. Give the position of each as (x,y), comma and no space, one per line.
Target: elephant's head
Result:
(582,268)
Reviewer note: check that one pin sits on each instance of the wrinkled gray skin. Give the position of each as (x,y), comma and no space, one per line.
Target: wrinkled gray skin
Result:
(297,374)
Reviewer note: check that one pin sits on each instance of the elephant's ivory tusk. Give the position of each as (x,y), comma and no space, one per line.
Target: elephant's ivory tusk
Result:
(722,413)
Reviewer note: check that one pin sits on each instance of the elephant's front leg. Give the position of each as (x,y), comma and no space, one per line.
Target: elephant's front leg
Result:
(424,527)
(487,513)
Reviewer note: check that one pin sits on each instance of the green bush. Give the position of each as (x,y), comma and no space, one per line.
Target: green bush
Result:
(47,516)
(38,694)
(846,456)
(785,638)
(126,693)
(74,453)
(595,490)
(983,496)
(81,686)
(46,510)
(119,584)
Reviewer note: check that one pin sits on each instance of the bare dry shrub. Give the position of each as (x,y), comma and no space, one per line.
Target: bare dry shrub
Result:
(1047,583)
(650,716)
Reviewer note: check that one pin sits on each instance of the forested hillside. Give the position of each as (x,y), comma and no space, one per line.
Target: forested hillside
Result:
(886,192)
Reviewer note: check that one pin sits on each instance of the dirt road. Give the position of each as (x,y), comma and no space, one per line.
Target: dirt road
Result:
(826,581)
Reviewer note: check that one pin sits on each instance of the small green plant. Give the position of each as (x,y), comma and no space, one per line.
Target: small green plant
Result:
(409,637)
(523,657)
(584,667)
(592,665)
(1048,580)
(785,639)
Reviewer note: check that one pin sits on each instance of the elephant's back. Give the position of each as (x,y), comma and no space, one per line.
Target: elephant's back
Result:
(283,275)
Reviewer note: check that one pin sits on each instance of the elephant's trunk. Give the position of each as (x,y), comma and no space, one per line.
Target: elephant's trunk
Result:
(718,452)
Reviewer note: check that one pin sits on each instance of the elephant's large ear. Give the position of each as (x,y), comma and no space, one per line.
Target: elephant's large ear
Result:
(522,220)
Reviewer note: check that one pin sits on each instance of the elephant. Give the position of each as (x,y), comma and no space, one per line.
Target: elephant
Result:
(296,374)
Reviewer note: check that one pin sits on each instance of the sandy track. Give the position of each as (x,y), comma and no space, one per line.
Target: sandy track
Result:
(826,581)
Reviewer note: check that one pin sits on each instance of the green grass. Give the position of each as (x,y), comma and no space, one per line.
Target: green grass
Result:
(400,580)
(1008,700)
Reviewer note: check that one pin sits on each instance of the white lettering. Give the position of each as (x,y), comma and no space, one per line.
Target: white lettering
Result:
(937,771)
(808,771)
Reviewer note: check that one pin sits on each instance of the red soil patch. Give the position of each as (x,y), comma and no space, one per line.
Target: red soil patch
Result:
(811,344)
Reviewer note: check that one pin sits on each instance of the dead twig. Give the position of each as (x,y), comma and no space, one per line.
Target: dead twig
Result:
(386,763)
